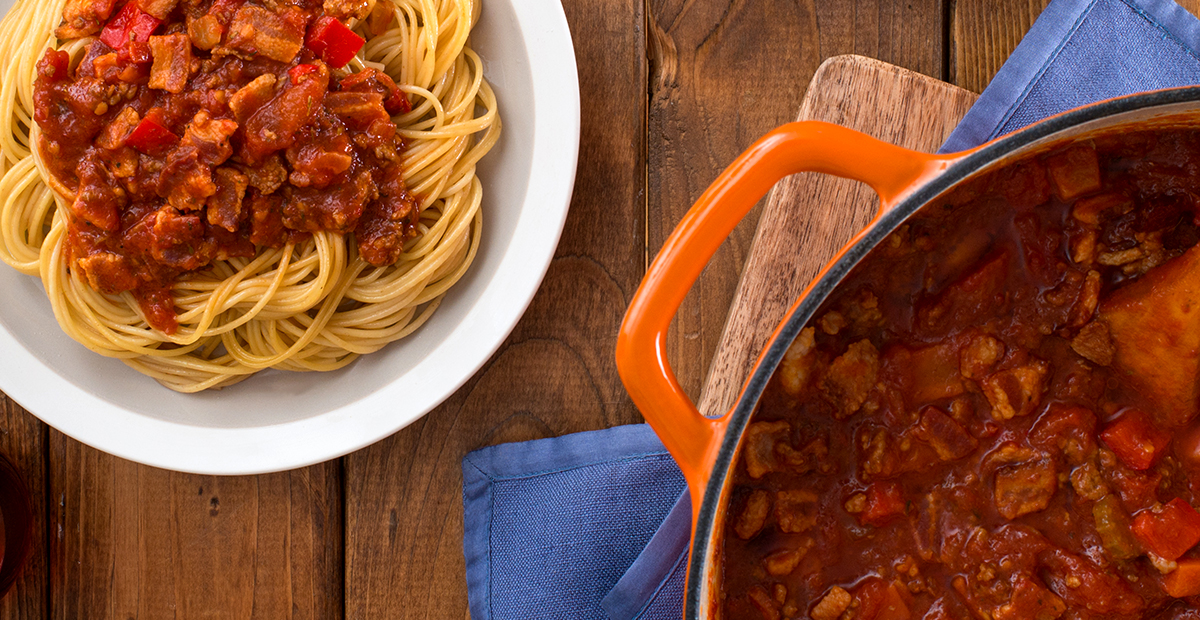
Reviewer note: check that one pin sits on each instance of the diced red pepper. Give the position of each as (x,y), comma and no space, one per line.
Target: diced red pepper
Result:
(130,25)
(1169,533)
(335,43)
(885,501)
(1135,440)
(1184,580)
(150,136)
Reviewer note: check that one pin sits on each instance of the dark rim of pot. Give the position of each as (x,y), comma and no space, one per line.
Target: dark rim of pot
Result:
(878,231)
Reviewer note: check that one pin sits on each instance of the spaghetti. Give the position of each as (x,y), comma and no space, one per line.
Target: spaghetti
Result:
(314,302)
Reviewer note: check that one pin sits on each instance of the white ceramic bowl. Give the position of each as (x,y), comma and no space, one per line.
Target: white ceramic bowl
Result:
(277,420)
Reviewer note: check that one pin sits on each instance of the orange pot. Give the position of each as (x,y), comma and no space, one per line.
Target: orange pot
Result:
(706,449)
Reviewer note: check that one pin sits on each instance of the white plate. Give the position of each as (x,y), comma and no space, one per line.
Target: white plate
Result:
(278,420)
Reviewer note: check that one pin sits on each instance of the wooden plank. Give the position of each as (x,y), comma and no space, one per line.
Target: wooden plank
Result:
(554,375)
(132,541)
(724,73)
(23,441)
(985,34)
(819,213)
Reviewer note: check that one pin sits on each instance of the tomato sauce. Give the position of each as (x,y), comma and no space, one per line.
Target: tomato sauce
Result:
(194,131)
(993,415)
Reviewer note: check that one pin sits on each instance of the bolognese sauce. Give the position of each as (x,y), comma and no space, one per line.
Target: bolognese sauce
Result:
(197,130)
(993,415)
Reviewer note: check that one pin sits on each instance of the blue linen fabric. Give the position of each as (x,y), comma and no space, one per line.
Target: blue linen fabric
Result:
(569,528)
(551,525)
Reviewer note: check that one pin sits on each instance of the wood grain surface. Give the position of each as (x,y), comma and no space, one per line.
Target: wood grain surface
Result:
(672,91)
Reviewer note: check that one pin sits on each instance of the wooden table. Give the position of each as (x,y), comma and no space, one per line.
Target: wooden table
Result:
(672,91)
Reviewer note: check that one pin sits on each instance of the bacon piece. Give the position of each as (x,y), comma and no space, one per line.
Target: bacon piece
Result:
(115,133)
(357,110)
(210,138)
(175,239)
(184,181)
(158,8)
(107,272)
(255,31)
(224,208)
(172,62)
(346,9)
(249,98)
(372,80)
(82,18)
(205,32)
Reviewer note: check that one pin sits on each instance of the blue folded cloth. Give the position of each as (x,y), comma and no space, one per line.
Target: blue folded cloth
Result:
(551,525)
(593,525)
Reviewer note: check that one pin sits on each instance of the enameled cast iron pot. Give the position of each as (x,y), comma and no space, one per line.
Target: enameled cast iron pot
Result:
(707,449)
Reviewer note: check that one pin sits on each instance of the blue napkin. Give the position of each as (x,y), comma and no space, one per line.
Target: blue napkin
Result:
(569,528)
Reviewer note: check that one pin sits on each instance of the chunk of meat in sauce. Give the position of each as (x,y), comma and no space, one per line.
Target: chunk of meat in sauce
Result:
(947,438)
(1094,343)
(1025,488)
(321,154)
(107,272)
(1083,585)
(387,222)
(850,378)
(785,561)
(224,208)
(832,605)
(753,516)
(277,35)
(758,453)
(1016,391)
(799,366)
(172,62)
(160,9)
(99,197)
(372,80)
(82,18)
(337,209)
(345,9)
(176,237)
(249,98)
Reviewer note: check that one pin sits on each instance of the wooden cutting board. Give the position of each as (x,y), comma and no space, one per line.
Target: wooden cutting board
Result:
(808,217)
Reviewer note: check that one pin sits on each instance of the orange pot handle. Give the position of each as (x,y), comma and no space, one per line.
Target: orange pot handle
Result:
(641,346)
